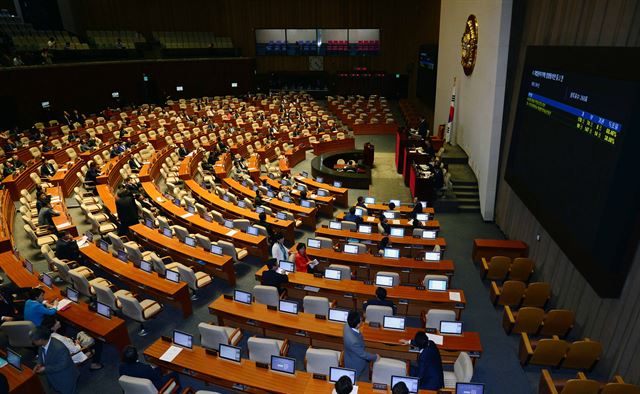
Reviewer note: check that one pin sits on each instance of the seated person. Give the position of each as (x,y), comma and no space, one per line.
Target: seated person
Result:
(67,247)
(17,163)
(352,217)
(381,299)
(134,164)
(384,223)
(9,168)
(79,347)
(47,170)
(417,208)
(130,366)
(343,385)
(36,308)
(400,388)
(263,222)
(182,151)
(271,277)
(384,243)
(360,203)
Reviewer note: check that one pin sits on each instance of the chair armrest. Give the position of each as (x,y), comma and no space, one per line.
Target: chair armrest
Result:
(580,375)
(526,350)
(494,292)
(333,303)
(235,337)
(508,320)
(285,348)
(187,390)
(618,379)
(341,359)
(484,268)
(150,305)
(546,384)
(423,318)
(165,389)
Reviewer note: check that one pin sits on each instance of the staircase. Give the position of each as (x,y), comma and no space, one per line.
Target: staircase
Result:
(464,197)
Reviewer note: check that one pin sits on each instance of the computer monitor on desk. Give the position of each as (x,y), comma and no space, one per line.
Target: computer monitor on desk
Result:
(183,339)
(331,273)
(338,315)
(429,234)
(231,353)
(287,265)
(14,359)
(393,322)
(334,225)
(432,256)
(437,285)
(384,280)
(190,241)
(422,217)
(359,212)
(451,327)
(242,296)
(172,276)
(283,364)
(313,243)
(396,232)
(410,382)
(395,202)
(252,230)
(351,249)
(103,310)
(391,253)
(469,388)
(288,306)
(336,373)
(364,229)
(72,294)
(217,250)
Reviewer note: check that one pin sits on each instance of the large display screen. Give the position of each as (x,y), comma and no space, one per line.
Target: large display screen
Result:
(317,42)
(574,157)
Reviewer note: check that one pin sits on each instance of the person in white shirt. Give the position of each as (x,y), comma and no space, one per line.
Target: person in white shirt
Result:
(278,250)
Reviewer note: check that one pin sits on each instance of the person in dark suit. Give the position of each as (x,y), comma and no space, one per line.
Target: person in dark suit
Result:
(131,367)
(134,164)
(55,362)
(429,368)
(423,128)
(343,385)
(8,310)
(271,277)
(47,170)
(182,151)
(355,357)
(92,174)
(352,217)
(417,208)
(384,223)
(400,388)
(360,203)
(263,222)
(67,248)
(127,211)
(381,299)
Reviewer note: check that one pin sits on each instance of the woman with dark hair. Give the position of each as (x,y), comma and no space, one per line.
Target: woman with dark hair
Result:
(429,368)
(278,250)
(384,243)
(303,263)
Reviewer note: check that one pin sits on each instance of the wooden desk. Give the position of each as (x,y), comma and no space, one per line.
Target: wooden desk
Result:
(405,223)
(295,156)
(222,166)
(6,226)
(321,147)
(253,165)
(366,266)
(351,294)
(16,182)
(111,330)
(64,221)
(487,248)
(162,290)
(60,156)
(340,193)
(407,242)
(220,266)
(403,209)
(306,329)
(67,177)
(21,382)
(202,366)
(307,215)
(255,244)
(324,204)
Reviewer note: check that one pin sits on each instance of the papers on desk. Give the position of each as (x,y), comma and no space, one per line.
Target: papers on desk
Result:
(231,233)
(186,215)
(63,304)
(252,168)
(62,225)
(82,242)
(437,339)
(455,296)
(371,219)
(395,221)
(171,353)
(311,288)
(55,199)
(159,199)
(354,390)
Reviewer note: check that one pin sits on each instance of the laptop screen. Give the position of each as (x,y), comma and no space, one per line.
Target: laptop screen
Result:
(28,266)
(336,373)
(252,230)
(393,322)
(391,253)
(176,201)
(384,280)
(423,217)
(469,388)
(89,236)
(229,352)
(319,179)
(313,243)
(173,276)
(337,184)
(207,217)
(351,249)
(190,241)
(288,307)
(305,203)
(145,266)
(287,265)
(191,209)
(46,279)
(281,216)
(228,223)
(122,256)
(322,193)
(305,174)
(389,214)
(284,182)
(283,364)
(410,382)
(335,225)
(270,194)
(369,200)
(359,212)
(103,245)
(286,198)
(338,315)
(72,294)
(242,296)
(14,359)
(396,202)
(396,232)
(182,339)
(259,209)
(215,249)
(432,256)
(437,285)
(301,188)
(332,274)
(429,234)
(149,223)
(242,204)
(225,198)
(103,310)
(451,327)
(166,231)
(364,229)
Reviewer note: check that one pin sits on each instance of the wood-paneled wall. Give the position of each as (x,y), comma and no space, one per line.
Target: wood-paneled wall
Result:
(614,322)
(403,24)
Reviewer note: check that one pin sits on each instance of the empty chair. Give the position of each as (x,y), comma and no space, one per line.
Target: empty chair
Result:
(376,313)
(510,293)
(581,385)
(195,279)
(345,270)
(230,250)
(526,319)
(241,224)
(618,386)
(181,232)
(133,385)
(106,296)
(546,351)
(211,335)
(63,269)
(140,311)
(38,242)
(557,322)
(100,228)
(349,226)
(395,275)
(267,295)
(17,332)
(462,371)
(433,317)
(385,368)
(325,243)
(537,294)
(496,268)
(316,305)
(261,349)
(521,269)
(427,278)
(582,354)
(85,286)
(203,241)
(320,360)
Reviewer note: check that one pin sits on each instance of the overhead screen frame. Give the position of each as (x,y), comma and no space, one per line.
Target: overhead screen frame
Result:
(607,278)
(319,40)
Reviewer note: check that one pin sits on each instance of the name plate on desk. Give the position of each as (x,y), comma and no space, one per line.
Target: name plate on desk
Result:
(403,302)
(228,297)
(319,376)
(380,386)
(252,322)
(211,352)
(262,365)
(272,307)
(374,324)
(420,287)
(301,333)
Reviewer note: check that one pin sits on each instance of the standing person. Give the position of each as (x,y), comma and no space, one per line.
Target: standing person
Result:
(303,263)
(54,361)
(278,250)
(263,222)
(429,368)
(45,216)
(355,357)
(127,211)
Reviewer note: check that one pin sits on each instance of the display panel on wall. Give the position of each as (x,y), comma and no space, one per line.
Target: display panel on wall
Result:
(314,42)
(574,158)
